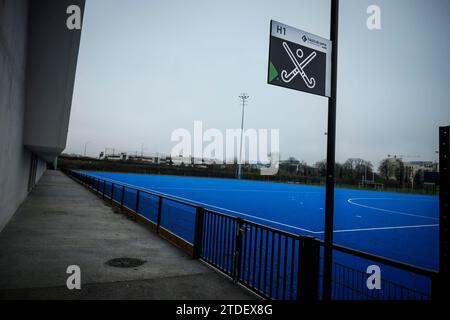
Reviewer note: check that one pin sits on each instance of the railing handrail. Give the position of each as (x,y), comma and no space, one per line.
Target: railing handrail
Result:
(147,191)
(361,254)
(192,204)
(274,230)
(387,261)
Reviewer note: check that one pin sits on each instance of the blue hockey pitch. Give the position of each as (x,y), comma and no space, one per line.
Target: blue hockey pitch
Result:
(397,226)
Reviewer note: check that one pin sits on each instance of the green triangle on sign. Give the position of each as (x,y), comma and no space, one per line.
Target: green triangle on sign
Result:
(273,73)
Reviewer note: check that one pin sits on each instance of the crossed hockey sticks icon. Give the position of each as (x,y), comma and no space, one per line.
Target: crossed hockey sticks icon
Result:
(310,82)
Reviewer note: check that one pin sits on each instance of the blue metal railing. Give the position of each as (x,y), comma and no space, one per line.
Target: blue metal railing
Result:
(273,263)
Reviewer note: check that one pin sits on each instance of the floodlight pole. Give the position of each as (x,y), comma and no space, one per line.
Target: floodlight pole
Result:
(244,98)
(331,153)
(85,147)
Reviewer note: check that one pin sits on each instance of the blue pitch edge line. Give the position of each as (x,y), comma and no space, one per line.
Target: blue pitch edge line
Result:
(375,239)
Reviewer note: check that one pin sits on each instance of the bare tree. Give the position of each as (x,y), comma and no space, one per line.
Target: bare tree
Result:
(355,168)
(321,167)
(391,169)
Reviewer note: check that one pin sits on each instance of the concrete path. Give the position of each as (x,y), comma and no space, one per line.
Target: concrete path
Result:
(61,223)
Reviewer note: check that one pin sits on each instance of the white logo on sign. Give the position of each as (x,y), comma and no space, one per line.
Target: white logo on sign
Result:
(374,280)
(299,67)
(74,280)
(374,20)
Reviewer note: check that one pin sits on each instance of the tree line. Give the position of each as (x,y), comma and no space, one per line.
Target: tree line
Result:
(392,172)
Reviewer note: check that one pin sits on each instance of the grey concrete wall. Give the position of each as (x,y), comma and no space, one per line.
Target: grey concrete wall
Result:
(52,59)
(38,56)
(14,158)
(41,168)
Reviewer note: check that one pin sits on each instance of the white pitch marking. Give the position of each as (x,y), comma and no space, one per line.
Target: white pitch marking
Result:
(241,190)
(385,228)
(386,210)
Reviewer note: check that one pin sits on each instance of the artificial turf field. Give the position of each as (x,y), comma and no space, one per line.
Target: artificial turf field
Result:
(402,227)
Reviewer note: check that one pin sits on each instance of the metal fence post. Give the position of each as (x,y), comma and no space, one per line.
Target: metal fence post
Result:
(122,197)
(441,291)
(112,193)
(103,190)
(198,233)
(238,252)
(308,269)
(436,288)
(138,193)
(158,219)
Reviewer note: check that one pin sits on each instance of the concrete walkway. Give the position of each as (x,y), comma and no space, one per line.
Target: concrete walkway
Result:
(62,223)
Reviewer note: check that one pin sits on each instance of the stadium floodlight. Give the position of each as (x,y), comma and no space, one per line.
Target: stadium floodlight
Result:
(85,147)
(244,98)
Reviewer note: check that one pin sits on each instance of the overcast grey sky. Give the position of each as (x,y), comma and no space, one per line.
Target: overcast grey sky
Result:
(148,67)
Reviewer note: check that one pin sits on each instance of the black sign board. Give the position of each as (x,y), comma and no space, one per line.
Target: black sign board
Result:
(299,60)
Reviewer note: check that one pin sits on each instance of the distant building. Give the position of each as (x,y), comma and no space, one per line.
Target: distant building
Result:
(145,159)
(414,170)
(182,161)
(121,156)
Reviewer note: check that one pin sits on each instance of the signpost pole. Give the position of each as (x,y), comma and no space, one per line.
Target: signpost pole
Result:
(444,222)
(305,62)
(331,151)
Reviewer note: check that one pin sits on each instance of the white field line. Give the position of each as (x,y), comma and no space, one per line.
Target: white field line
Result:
(240,190)
(351,201)
(385,228)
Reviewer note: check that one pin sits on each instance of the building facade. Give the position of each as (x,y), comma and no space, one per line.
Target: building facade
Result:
(38,57)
